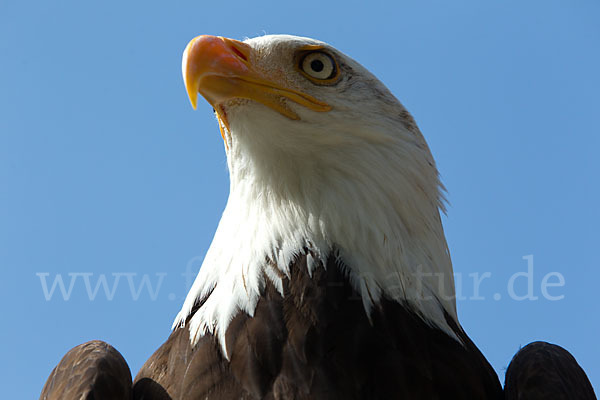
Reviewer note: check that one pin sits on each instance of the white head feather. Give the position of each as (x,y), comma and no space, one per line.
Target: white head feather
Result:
(359,180)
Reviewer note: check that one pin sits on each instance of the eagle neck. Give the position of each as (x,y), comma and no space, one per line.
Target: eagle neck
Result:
(281,206)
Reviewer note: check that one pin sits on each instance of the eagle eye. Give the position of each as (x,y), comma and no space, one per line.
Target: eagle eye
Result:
(319,67)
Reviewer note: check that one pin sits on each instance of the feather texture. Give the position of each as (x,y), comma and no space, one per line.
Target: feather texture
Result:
(316,342)
(359,178)
(542,370)
(92,370)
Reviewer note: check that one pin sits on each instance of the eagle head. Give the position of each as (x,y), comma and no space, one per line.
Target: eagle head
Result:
(323,159)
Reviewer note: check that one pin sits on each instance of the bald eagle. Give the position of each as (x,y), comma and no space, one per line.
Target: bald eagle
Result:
(329,276)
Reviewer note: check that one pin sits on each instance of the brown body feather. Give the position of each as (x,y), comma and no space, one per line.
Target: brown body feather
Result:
(92,370)
(316,342)
(542,370)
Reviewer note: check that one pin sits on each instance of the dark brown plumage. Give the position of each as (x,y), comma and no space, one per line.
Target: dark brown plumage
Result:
(92,370)
(317,343)
(542,370)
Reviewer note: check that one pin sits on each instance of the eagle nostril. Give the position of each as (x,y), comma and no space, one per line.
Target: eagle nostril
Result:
(238,53)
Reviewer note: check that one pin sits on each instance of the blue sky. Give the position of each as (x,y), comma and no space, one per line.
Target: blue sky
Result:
(105,168)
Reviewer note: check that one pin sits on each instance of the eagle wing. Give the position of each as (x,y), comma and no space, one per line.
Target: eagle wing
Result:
(92,370)
(542,370)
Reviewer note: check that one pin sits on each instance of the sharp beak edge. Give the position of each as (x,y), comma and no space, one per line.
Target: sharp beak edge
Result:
(221,69)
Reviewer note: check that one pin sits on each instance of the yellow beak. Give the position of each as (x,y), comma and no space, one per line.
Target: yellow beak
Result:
(220,69)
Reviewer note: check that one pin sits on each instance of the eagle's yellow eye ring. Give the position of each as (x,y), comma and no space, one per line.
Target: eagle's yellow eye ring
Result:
(318,65)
